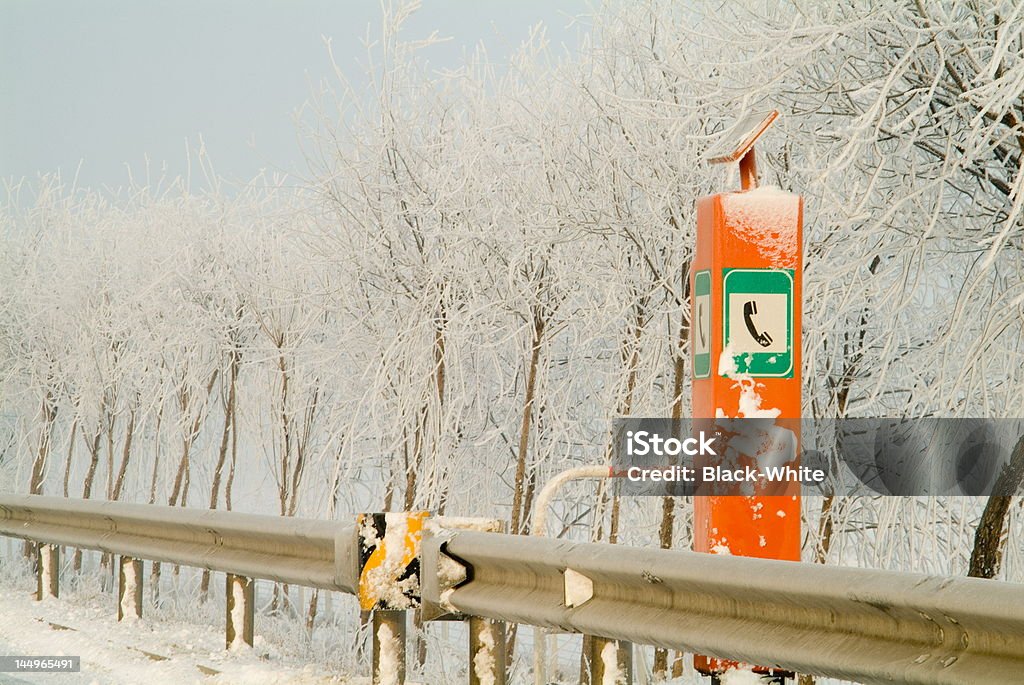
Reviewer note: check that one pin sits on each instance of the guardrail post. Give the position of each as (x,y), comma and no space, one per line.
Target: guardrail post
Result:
(486,651)
(240,603)
(129,588)
(389,632)
(611,662)
(48,571)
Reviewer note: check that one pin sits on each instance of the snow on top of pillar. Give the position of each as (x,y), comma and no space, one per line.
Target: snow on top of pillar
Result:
(768,217)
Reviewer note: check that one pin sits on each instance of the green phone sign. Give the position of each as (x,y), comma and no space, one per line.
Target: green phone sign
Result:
(757,320)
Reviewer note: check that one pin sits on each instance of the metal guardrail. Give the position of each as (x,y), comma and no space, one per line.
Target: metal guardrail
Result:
(859,624)
(320,554)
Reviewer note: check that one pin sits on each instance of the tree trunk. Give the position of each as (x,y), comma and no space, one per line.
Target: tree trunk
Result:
(301,445)
(179,478)
(111,425)
(389,487)
(222,455)
(522,491)
(668,505)
(311,612)
(630,355)
(286,436)
(412,464)
(228,487)
(826,524)
(989,537)
(43,451)
(35,486)
(826,521)
(94,453)
(518,514)
(125,456)
(156,456)
(186,443)
(666,530)
(67,460)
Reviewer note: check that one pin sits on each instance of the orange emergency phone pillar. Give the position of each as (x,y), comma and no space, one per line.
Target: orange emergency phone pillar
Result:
(745,338)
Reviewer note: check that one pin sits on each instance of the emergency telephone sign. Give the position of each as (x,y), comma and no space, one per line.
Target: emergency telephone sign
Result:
(758,320)
(701,328)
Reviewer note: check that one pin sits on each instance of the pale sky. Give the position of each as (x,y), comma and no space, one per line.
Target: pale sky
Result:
(107,82)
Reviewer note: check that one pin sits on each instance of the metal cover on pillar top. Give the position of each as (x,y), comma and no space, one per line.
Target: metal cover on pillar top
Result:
(740,138)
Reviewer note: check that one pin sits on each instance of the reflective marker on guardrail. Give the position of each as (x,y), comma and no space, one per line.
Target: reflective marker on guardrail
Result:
(389,585)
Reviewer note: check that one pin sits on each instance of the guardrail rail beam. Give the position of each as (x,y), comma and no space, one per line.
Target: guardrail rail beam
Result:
(865,625)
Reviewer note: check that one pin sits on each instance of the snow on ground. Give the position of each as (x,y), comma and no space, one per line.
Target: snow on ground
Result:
(143,651)
(181,646)
(151,650)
